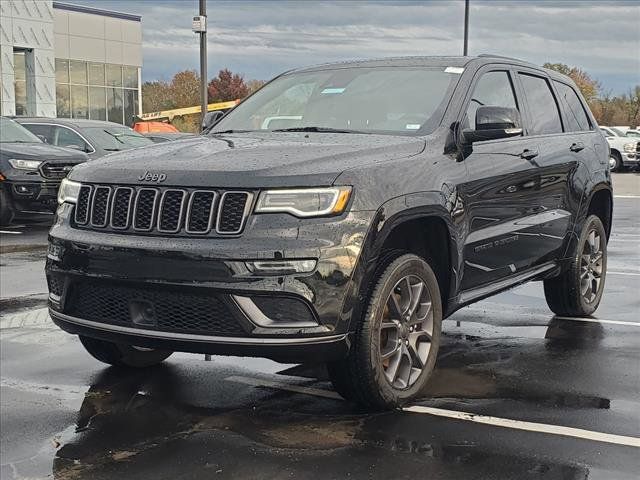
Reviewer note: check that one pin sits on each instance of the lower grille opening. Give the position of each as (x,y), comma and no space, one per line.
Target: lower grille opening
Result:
(152,307)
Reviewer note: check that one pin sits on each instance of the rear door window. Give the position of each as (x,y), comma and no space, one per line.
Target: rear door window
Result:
(577,119)
(543,109)
(493,89)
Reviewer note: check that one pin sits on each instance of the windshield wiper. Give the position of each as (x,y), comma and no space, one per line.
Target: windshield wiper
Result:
(229,131)
(317,129)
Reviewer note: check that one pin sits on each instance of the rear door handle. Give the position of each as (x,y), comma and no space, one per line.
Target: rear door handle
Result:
(529,154)
(576,147)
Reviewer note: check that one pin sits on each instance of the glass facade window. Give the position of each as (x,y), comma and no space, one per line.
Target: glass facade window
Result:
(114,75)
(62,70)
(97,91)
(130,77)
(78,72)
(79,101)
(97,103)
(63,101)
(20,82)
(114,105)
(96,74)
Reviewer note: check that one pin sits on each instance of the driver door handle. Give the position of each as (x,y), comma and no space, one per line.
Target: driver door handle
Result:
(576,147)
(529,153)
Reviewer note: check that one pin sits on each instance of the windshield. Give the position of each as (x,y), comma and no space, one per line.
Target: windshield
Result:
(391,100)
(115,139)
(13,132)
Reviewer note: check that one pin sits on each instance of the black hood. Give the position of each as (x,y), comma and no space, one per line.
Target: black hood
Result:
(249,160)
(41,151)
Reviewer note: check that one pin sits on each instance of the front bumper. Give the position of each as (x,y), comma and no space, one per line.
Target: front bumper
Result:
(630,159)
(33,195)
(286,350)
(199,295)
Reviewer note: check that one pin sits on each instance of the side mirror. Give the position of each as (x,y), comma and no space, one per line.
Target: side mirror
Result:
(210,119)
(493,123)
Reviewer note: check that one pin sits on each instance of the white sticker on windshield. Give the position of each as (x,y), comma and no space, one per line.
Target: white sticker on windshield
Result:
(457,70)
(333,90)
(413,126)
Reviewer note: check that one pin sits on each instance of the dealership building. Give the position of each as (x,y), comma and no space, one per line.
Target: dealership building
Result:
(71,61)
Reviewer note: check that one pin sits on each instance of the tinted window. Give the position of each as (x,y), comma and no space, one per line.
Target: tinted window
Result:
(543,110)
(493,89)
(65,137)
(577,119)
(42,131)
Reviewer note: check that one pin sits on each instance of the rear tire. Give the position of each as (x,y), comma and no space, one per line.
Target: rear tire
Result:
(7,212)
(578,291)
(395,344)
(122,355)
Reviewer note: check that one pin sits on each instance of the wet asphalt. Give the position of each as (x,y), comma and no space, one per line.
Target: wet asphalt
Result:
(66,416)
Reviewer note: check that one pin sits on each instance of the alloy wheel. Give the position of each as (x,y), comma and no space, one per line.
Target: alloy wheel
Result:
(406,331)
(591,266)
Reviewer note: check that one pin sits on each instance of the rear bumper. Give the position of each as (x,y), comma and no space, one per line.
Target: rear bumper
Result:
(287,350)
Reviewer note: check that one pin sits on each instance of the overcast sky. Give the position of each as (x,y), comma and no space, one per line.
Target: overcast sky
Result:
(262,38)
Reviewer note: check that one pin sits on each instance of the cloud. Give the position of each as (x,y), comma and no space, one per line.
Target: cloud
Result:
(260,39)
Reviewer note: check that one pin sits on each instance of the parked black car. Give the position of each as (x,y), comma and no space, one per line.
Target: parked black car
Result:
(339,215)
(96,138)
(30,171)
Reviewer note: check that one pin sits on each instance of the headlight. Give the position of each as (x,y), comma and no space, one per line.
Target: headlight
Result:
(629,147)
(68,191)
(20,164)
(305,202)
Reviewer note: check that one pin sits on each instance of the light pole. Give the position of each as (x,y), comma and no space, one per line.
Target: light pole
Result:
(200,27)
(466,28)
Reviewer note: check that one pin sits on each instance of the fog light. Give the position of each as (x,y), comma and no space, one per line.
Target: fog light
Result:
(23,189)
(281,267)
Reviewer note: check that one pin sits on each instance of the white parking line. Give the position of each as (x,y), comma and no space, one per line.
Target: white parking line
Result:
(626,196)
(623,273)
(469,417)
(601,320)
(12,233)
(529,426)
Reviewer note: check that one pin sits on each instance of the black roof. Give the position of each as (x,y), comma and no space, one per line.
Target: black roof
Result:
(76,122)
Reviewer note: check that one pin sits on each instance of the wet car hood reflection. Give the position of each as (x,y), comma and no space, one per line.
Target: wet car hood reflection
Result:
(272,159)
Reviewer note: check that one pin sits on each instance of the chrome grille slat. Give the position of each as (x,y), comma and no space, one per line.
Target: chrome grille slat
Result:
(232,213)
(203,211)
(121,207)
(162,210)
(145,209)
(170,211)
(83,205)
(100,206)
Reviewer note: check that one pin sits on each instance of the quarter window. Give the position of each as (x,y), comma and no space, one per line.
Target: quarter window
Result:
(493,89)
(542,106)
(577,119)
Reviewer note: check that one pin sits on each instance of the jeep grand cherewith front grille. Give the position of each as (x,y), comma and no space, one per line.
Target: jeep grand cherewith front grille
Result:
(162,210)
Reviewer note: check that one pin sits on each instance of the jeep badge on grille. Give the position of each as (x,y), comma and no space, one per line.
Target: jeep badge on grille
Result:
(152,177)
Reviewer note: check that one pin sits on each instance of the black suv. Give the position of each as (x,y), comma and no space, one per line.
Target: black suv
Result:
(338,215)
(30,171)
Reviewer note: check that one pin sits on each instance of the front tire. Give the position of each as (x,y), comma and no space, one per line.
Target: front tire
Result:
(615,162)
(396,343)
(578,291)
(122,355)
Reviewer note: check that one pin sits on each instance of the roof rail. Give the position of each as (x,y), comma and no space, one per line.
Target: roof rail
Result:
(491,55)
